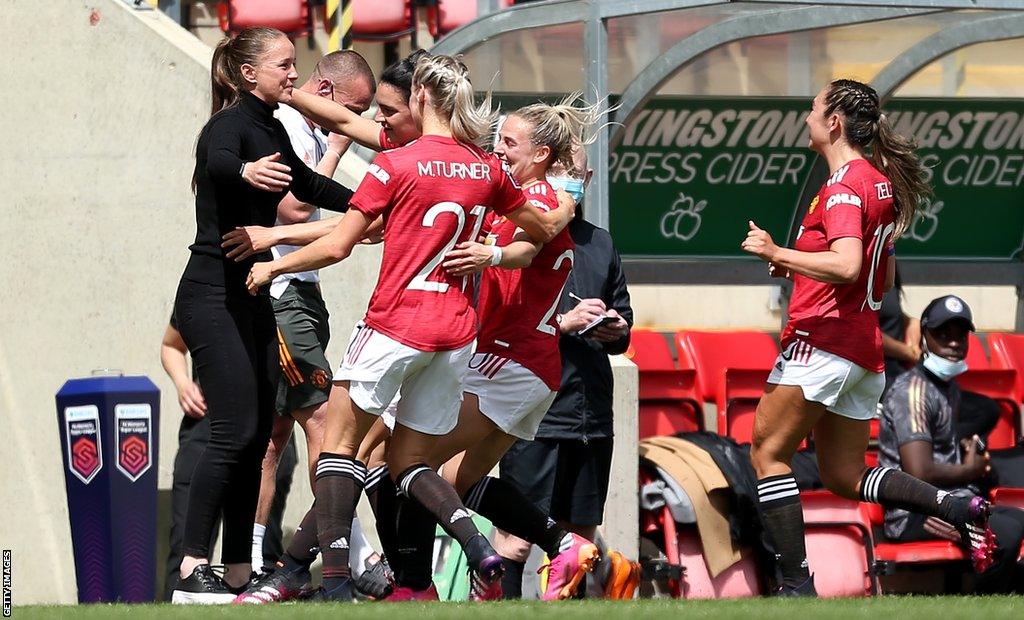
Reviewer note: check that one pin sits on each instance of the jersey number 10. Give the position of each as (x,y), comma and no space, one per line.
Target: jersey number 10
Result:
(881,239)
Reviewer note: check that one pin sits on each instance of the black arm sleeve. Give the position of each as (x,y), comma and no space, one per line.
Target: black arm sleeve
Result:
(616,296)
(308,185)
(224,144)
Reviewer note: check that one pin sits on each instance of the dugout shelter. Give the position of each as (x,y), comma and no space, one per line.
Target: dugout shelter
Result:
(707,127)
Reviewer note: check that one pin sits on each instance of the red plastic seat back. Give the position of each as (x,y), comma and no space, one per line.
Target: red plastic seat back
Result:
(743,389)
(976,358)
(649,351)
(838,541)
(668,417)
(999,384)
(710,353)
(668,402)
(875,513)
(381,19)
(290,16)
(1008,352)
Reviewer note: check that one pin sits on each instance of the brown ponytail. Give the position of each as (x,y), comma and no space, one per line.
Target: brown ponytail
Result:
(226,82)
(865,127)
(895,156)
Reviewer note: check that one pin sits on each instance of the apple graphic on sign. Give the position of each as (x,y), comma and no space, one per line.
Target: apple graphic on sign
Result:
(682,221)
(926,221)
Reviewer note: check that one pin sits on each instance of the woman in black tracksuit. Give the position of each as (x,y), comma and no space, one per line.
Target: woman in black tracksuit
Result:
(244,167)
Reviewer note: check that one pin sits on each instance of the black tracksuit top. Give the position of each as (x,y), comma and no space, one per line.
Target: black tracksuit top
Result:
(583,408)
(232,137)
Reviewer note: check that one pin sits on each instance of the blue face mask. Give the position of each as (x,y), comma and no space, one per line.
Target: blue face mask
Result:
(571,186)
(943,368)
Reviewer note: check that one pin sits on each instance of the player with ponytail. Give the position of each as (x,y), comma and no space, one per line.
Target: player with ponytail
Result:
(829,376)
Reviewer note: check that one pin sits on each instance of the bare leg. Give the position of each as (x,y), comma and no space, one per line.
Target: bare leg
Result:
(279,437)
(841,443)
(782,421)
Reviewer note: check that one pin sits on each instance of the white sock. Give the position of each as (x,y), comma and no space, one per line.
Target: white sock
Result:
(359,549)
(257,546)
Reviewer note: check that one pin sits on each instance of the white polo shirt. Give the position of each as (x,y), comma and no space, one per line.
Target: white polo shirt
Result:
(310,145)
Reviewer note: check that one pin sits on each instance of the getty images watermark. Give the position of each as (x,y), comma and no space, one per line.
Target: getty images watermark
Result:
(7,583)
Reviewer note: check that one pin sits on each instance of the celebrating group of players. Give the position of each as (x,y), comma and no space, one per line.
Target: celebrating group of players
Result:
(455,385)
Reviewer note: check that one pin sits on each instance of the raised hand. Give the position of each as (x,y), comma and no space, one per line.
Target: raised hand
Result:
(759,243)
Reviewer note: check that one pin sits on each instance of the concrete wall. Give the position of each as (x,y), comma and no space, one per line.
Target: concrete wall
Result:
(621,527)
(101,129)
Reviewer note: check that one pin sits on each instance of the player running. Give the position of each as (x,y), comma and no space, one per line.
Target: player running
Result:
(829,375)
(419,330)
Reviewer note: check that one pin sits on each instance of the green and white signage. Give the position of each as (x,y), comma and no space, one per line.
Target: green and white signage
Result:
(690,172)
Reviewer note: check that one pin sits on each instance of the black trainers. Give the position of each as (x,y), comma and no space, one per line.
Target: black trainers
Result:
(805,589)
(975,534)
(277,586)
(203,587)
(377,581)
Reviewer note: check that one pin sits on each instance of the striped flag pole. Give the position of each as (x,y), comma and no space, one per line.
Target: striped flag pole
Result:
(339,19)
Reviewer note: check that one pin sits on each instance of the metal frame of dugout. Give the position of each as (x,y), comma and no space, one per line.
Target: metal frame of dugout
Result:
(966,23)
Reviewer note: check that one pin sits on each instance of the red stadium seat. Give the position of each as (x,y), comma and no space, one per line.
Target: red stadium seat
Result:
(712,354)
(649,350)
(999,385)
(976,358)
(682,548)
(922,552)
(741,580)
(1008,496)
(382,20)
(1008,352)
(451,14)
(289,16)
(1012,497)
(668,400)
(743,389)
(839,545)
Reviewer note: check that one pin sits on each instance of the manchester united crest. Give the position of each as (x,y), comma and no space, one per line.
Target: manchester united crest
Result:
(319,378)
(814,205)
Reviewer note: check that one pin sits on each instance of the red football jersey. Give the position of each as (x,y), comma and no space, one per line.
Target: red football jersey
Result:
(842,319)
(434,194)
(517,306)
(385,143)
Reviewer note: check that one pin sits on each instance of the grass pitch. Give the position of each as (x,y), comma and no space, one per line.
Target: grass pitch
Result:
(880,608)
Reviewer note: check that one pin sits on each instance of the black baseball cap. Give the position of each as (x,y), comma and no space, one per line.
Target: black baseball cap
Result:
(945,309)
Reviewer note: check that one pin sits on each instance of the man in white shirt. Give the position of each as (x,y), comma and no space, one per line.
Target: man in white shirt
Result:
(345,78)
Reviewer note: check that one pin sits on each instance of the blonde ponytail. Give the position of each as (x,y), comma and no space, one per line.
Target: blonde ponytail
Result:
(447,78)
(561,127)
